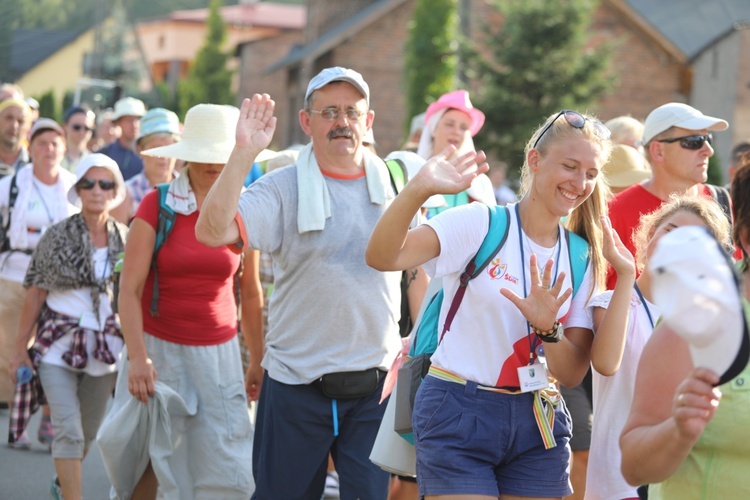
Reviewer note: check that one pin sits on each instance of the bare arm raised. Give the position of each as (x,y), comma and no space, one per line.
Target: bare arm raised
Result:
(255,127)
(392,246)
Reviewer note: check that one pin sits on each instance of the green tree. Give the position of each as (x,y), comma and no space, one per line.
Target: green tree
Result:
(540,63)
(209,80)
(431,54)
(48,106)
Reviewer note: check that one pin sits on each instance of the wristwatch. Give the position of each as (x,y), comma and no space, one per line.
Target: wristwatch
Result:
(553,335)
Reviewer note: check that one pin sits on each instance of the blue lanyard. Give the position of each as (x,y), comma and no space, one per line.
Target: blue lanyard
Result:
(532,338)
(645,306)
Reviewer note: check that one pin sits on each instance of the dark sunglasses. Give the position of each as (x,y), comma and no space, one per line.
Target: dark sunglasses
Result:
(691,141)
(577,120)
(104,184)
(78,128)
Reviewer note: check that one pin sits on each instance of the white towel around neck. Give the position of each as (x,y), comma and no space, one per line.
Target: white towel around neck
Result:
(180,196)
(314,203)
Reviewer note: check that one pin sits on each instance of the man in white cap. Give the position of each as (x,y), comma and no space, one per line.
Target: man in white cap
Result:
(15,120)
(677,142)
(127,117)
(333,328)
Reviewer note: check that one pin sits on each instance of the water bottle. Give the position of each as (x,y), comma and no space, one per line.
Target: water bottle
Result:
(23,374)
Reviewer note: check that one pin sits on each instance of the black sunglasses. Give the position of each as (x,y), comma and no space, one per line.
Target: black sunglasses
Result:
(104,184)
(577,120)
(691,141)
(78,128)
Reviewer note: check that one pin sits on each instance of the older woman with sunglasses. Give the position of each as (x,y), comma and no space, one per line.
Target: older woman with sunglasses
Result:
(69,304)
(31,201)
(474,414)
(677,142)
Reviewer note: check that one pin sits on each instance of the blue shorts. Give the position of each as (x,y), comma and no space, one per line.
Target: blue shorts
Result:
(294,432)
(475,442)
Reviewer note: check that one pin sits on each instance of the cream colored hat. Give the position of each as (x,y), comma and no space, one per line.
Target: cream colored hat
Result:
(626,166)
(208,136)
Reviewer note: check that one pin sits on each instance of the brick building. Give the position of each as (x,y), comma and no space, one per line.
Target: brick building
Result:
(671,50)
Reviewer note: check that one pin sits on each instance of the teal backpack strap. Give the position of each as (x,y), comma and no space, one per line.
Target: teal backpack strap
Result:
(497,234)
(164,225)
(426,337)
(398,174)
(578,251)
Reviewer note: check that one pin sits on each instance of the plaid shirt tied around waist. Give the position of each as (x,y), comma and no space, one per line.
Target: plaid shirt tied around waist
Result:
(50,327)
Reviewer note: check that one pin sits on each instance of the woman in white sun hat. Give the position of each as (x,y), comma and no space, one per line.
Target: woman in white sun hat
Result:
(78,340)
(180,328)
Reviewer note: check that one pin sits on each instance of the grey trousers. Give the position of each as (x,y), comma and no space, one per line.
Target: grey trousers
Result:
(77,402)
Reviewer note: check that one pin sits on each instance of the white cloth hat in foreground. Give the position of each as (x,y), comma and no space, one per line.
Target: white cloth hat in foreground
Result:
(413,162)
(697,290)
(103,161)
(208,136)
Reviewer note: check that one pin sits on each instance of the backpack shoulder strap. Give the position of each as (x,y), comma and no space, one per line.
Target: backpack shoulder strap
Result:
(11,203)
(721,195)
(497,234)
(398,174)
(578,252)
(165,220)
(164,225)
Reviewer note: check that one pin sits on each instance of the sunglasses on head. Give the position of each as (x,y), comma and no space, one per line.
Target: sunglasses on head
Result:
(691,141)
(104,184)
(577,120)
(78,128)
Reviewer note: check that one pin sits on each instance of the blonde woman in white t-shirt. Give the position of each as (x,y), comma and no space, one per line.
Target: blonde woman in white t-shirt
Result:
(624,319)
(487,422)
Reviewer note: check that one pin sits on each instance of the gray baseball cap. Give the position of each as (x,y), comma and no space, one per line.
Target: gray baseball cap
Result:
(339,74)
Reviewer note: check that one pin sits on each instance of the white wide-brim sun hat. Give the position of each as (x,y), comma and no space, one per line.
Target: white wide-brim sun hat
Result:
(208,136)
(697,289)
(103,161)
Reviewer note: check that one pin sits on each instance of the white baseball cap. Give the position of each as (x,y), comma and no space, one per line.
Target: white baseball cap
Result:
(339,74)
(413,162)
(677,114)
(129,106)
(697,289)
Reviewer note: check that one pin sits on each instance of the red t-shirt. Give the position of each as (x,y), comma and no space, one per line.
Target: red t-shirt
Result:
(196,293)
(625,211)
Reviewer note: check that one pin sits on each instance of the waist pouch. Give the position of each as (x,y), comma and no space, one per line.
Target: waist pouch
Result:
(350,385)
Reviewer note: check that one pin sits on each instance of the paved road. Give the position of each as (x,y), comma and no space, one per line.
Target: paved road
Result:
(26,474)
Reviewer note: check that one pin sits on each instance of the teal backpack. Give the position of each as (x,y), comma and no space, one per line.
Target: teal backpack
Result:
(164,226)
(429,334)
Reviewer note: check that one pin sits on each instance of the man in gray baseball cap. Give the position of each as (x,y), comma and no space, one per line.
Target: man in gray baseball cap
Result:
(677,143)
(332,329)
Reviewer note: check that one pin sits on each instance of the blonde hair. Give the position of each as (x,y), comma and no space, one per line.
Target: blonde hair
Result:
(705,208)
(624,128)
(584,219)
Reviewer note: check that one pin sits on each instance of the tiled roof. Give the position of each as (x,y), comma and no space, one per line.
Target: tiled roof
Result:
(693,25)
(32,46)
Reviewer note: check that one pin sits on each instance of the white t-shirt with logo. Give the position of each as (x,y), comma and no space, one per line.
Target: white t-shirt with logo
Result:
(490,338)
